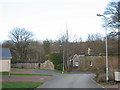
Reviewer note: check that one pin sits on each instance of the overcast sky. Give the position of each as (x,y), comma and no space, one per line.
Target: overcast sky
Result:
(49,18)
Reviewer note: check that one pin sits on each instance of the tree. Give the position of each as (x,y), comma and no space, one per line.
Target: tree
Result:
(46,45)
(94,41)
(10,44)
(21,39)
(36,51)
(113,13)
(113,19)
(64,39)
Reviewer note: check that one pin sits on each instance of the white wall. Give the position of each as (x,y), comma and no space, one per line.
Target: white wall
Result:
(75,63)
(5,65)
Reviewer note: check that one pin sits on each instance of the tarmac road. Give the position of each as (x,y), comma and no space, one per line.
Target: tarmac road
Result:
(79,80)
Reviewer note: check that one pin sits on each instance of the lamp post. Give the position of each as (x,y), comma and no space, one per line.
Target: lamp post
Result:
(106,48)
(63,69)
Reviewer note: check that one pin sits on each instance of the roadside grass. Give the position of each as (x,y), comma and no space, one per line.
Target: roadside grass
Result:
(58,71)
(7,73)
(23,85)
(106,83)
(109,83)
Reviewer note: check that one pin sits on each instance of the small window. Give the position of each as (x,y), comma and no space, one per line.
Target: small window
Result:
(39,65)
(76,63)
(90,63)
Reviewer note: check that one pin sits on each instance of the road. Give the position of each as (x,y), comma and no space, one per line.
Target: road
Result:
(78,80)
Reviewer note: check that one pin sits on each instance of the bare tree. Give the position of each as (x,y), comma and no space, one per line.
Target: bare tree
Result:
(36,51)
(21,39)
(64,39)
(14,52)
(96,43)
(46,45)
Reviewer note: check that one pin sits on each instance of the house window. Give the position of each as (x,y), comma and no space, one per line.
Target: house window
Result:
(39,65)
(90,63)
(76,63)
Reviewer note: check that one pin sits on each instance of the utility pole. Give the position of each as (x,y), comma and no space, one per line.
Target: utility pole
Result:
(67,47)
(63,57)
(106,42)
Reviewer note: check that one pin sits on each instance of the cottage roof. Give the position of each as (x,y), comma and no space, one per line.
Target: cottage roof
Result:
(5,53)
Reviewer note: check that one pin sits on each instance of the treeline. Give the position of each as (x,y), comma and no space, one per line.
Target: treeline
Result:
(25,48)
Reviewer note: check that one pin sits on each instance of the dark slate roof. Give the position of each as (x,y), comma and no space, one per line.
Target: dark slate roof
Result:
(5,53)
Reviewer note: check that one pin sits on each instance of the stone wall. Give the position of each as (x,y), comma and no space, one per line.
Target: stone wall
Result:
(47,65)
(25,65)
(97,64)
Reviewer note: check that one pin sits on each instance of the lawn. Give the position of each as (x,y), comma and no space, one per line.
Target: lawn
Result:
(7,73)
(20,84)
(0,85)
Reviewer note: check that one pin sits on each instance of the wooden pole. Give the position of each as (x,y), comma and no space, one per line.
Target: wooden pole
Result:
(9,68)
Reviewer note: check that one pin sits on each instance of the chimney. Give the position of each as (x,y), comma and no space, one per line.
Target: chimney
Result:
(89,51)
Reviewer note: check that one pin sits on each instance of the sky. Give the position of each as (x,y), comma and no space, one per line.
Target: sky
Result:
(48,19)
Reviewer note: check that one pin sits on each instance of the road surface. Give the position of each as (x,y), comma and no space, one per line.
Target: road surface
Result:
(79,80)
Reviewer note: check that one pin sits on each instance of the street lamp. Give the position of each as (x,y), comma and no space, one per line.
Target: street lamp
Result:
(106,48)
(63,69)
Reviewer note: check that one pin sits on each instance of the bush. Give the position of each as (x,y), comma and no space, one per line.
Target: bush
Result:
(101,77)
(59,67)
(18,61)
(46,57)
(56,58)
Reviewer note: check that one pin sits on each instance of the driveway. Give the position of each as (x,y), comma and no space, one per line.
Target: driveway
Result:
(77,80)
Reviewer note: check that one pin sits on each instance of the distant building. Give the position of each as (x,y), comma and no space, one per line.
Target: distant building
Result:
(75,60)
(5,60)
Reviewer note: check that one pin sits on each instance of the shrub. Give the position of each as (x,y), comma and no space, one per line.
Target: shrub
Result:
(46,57)
(18,61)
(59,67)
(101,77)
(56,58)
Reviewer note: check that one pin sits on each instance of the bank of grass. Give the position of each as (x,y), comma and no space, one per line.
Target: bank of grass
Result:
(109,83)
(20,84)
(106,83)
(58,71)
(7,73)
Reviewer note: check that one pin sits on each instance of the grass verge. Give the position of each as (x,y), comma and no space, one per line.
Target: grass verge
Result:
(110,83)
(7,73)
(20,84)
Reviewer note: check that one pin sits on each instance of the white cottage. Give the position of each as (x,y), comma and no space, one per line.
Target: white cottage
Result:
(76,60)
(5,60)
